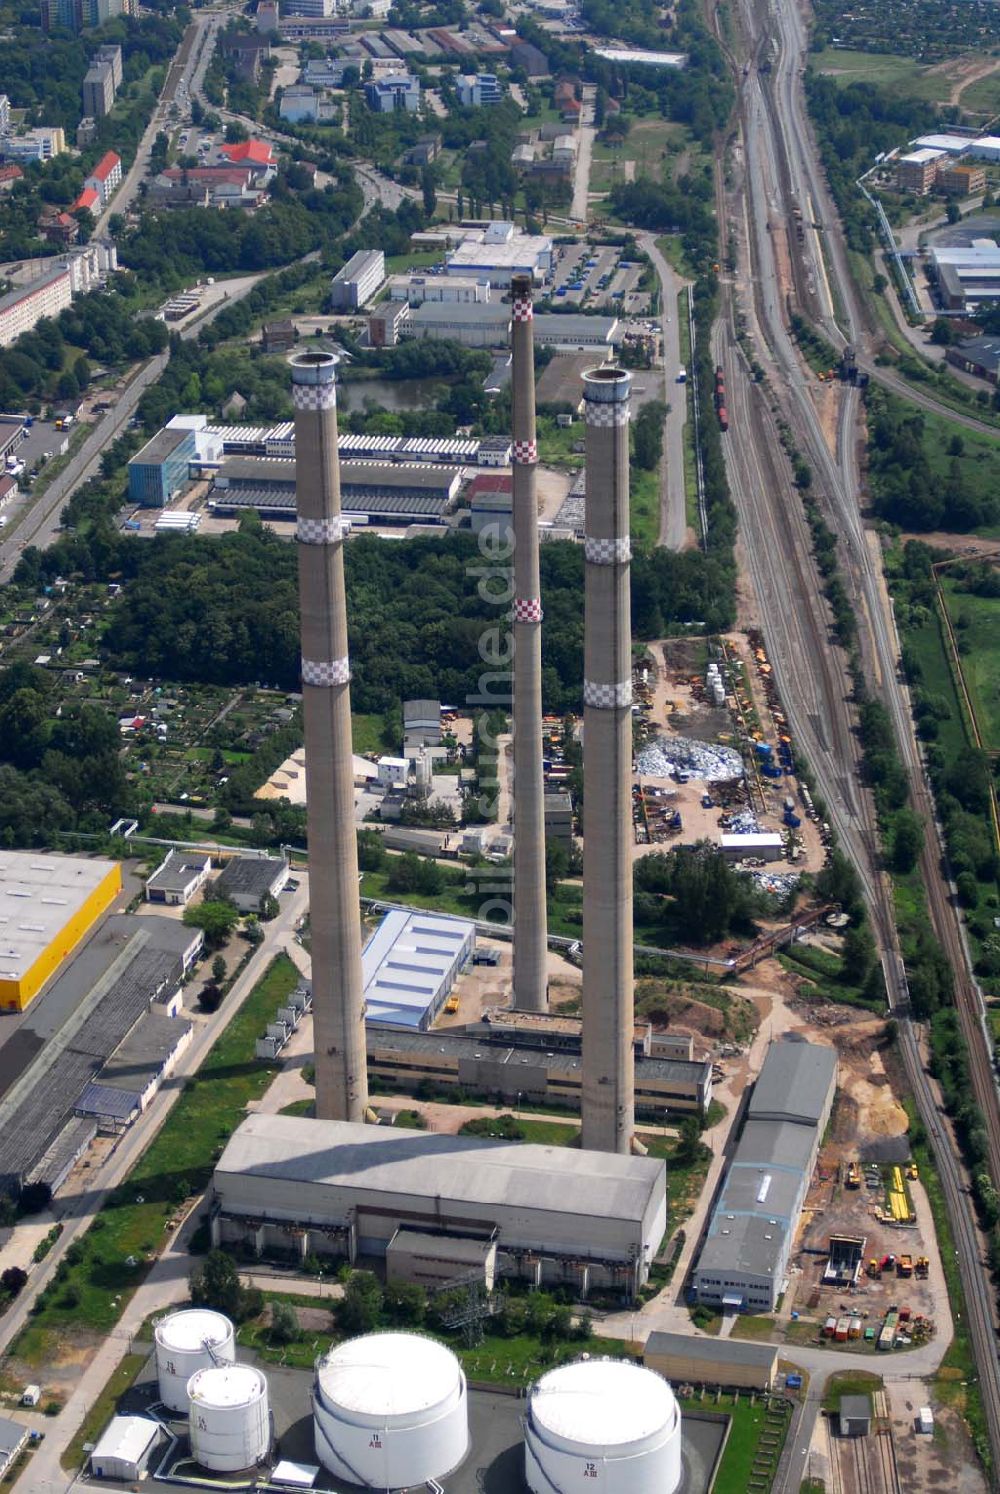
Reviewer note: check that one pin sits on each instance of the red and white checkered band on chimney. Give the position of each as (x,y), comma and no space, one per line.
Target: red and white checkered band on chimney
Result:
(527,610)
(521,310)
(525,452)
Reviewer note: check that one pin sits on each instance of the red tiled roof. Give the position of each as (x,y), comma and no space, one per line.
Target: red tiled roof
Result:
(7,485)
(87,199)
(488,482)
(213,175)
(258,152)
(10,173)
(105,166)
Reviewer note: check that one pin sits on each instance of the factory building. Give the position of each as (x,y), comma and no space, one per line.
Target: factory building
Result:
(178,877)
(431,1260)
(358,280)
(744,1256)
(768,845)
(248,881)
(390,493)
(979,356)
(511,1066)
(951,145)
(162,468)
(498,253)
(488,326)
(47,905)
(126,968)
(287,1184)
(410,964)
(968,275)
(917,171)
(125,1447)
(986,148)
(132,1075)
(453,289)
(685,1360)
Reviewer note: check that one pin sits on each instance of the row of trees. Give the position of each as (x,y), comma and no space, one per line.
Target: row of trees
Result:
(906,488)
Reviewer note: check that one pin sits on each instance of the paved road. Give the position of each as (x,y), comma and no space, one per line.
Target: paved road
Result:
(579,208)
(167,1280)
(673,500)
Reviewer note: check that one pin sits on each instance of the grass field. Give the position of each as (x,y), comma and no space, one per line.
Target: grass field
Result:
(103,1409)
(644,506)
(756,1329)
(976,621)
(98,1283)
(737,1471)
(366,733)
(983,96)
(899,75)
(849,1382)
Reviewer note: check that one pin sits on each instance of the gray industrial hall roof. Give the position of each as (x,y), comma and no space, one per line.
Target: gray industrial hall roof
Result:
(141,1055)
(276,472)
(779,1144)
(178,871)
(462,1169)
(455,1248)
(719,1350)
(13,1435)
(985,351)
(676,1070)
(252,876)
(855,1407)
(159,447)
(746,1244)
(795,1082)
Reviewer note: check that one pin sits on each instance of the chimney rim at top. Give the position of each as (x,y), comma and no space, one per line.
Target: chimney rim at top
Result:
(314,367)
(609,383)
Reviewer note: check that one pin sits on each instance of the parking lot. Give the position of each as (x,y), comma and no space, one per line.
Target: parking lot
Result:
(585,276)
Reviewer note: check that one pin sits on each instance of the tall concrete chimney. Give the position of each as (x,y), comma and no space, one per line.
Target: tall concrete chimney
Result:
(608,1111)
(335,918)
(530,915)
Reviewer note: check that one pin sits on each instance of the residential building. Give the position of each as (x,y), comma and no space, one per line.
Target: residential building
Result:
(917,171)
(81,270)
(385,322)
(564,151)
(394,91)
(248,881)
(278,337)
(58,228)
(9,174)
(478,90)
(9,489)
(86,132)
(214,186)
(161,468)
(303,104)
(4,114)
(176,880)
(961,180)
(747,1246)
(255,156)
(13,1436)
(98,90)
(247,50)
(105,179)
(356,282)
(977,355)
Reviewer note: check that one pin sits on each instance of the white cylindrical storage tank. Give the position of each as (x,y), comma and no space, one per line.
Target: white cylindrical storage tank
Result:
(390,1411)
(229,1421)
(602,1424)
(187,1341)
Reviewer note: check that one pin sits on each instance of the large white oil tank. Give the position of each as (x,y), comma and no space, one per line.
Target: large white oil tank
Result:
(602,1424)
(390,1411)
(229,1421)
(187,1341)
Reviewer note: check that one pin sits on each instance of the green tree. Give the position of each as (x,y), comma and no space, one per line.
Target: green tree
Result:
(689,1141)
(215,919)
(907,840)
(219,969)
(858,954)
(405,1303)
(360,1309)
(284,1327)
(216,1284)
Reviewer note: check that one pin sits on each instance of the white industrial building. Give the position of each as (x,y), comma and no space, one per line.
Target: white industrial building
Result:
(246,881)
(125,1448)
(966,275)
(766,844)
(986,148)
(416,289)
(13,1436)
(410,964)
(499,253)
(748,1242)
(358,280)
(178,877)
(287,1185)
(625,55)
(952,145)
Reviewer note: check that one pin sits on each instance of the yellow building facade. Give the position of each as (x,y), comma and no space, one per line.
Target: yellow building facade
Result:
(48,904)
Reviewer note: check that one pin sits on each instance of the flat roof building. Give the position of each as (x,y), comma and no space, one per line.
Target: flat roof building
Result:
(358,280)
(748,1241)
(387,492)
(951,145)
(246,881)
(558,1214)
(410,964)
(685,1360)
(977,355)
(161,468)
(641,57)
(917,171)
(968,274)
(132,1075)
(855,1415)
(125,1447)
(13,1436)
(766,844)
(47,905)
(499,255)
(489,326)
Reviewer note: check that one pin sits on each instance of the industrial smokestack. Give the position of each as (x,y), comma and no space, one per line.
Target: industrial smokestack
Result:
(530,917)
(608,1111)
(338,988)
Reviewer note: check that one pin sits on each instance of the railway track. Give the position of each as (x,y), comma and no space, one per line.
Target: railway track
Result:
(784,576)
